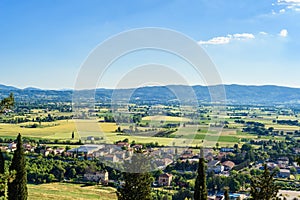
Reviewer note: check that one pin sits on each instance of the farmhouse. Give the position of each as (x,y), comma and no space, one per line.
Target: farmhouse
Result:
(101,177)
(284,173)
(283,162)
(137,147)
(60,150)
(165,179)
(215,166)
(228,165)
(123,144)
(271,165)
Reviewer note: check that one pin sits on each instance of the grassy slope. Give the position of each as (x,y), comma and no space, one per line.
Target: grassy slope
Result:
(65,191)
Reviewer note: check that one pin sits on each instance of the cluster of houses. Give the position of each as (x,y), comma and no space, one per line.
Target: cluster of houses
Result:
(28,148)
(161,157)
(123,151)
(11,147)
(220,168)
(283,163)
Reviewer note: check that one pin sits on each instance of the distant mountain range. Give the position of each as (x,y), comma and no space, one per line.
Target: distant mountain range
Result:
(5,87)
(235,94)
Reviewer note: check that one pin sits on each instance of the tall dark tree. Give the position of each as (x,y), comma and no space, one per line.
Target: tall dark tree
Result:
(17,189)
(263,186)
(200,183)
(137,179)
(226,193)
(2,171)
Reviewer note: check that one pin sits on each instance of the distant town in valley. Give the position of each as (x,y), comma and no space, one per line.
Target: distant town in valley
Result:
(90,147)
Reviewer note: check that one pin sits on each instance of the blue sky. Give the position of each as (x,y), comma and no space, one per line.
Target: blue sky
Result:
(44,43)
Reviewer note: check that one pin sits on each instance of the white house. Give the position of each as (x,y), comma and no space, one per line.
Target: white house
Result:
(97,177)
(284,173)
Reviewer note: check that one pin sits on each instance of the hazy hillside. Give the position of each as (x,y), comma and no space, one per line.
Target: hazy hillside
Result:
(5,87)
(237,94)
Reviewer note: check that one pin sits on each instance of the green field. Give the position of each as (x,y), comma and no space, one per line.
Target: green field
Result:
(66,191)
(185,135)
(62,130)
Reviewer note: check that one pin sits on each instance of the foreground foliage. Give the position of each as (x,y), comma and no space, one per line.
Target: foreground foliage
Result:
(17,189)
(263,187)
(137,180)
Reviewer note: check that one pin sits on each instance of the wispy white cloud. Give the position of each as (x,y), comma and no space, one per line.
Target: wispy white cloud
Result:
(283,33)
(227,39)
(217,40)
(263,33)
(282,11)
(289,4)
(289,1)
(242,36)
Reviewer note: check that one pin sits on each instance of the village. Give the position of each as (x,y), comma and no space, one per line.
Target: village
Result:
(219,162)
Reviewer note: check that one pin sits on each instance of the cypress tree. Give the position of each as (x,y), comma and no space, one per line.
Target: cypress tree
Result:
(226,193)
(137,180)
(200,183)
(17,189)
(2,171)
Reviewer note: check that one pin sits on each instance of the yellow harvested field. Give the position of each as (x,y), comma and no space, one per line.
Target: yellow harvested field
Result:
(57,130)
(67,191)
